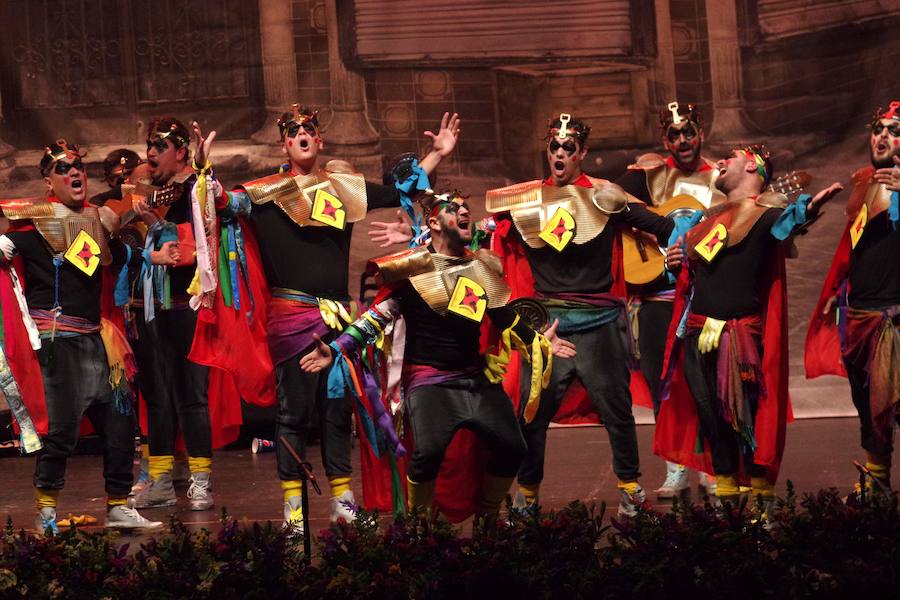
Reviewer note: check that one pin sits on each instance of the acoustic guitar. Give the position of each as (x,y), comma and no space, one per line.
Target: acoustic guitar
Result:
(643,259)
(130,229)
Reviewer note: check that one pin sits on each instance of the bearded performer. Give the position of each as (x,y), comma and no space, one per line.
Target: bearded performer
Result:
(442,293)
(655,181)
(726,359)
(864,285)
(175,388)
(560,240)
(303,219)
(70,363)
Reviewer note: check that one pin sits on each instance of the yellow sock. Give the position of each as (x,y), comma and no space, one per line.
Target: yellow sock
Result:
(726,486)
(420,495)
(628,486)
(199,464)
(879,465)
(160,465)
(291,488)
(493,491)
(529,491)
(339,485)
(45,498)
(762,487)
(110,502)
(145,450)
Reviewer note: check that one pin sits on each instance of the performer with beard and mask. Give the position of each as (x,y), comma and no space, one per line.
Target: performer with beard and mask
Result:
(560,240)
(656,180)
(863,284)
(81,364)
(175,388)
(303,220)
(726,361)
(447,382)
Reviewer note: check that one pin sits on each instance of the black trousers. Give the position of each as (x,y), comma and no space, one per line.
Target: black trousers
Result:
(436,412)
(300,397)
(602,366)
(874,442)
(76,384)
(174,388)
(653,327)
(700,373)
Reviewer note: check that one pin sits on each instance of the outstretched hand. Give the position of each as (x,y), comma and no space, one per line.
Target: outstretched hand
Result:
(318,358)
(560,347)
(388,233)
(445,140)
(203,144)
(889,176)
(822,197)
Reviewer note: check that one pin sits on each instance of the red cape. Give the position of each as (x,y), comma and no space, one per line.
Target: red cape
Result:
(678,427)
(21,357)
(235,347)
(823,347)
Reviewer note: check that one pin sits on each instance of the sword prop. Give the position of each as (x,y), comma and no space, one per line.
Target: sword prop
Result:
(31,442)
(306,474)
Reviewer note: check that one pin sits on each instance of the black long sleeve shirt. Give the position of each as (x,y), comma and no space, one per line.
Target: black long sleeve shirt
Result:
(875,266)
(313,260)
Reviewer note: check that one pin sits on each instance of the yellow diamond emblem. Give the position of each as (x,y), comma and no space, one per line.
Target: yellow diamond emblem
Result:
(714,241)
(468,299)
(328,209)
(559,230)
(859,225)
(84,253)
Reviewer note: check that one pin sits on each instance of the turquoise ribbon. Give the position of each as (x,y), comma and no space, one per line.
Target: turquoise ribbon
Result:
(894,209)
(418,181)
(339,380)
(682,225)
(120,292)
(791,218)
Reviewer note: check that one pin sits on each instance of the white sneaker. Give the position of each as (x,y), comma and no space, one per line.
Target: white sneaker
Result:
(628,505)
(676,482)
(707,483)
(344,507)
(125,517)
(159,492)
(200,491)
(293,515)
(46,520)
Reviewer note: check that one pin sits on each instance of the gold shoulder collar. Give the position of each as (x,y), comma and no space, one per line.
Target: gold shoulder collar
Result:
(296,194)
(773,200)
(648,161)
(401,265)
(26,208)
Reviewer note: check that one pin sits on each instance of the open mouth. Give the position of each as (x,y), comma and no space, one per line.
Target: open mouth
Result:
(559,166)
(153,163)
(304,144)
(881,147)
(77,184)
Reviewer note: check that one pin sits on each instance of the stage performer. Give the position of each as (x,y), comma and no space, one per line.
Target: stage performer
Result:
(863,285)
(443,292)
(728,338)
(303,219)
(656,180)
(555,244)
(175,388)
(82,362)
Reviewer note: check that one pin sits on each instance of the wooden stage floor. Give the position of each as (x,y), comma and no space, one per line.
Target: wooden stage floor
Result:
(818,455)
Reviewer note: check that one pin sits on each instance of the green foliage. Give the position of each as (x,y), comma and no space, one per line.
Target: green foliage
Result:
(816,547)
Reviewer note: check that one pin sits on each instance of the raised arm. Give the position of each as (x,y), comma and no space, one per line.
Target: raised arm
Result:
(442,143)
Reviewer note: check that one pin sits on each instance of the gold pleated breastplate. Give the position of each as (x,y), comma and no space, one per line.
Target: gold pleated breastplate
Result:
(326,197)
(556,216)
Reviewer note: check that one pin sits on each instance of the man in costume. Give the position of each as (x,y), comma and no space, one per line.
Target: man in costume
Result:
(863,284)
(303,219)
(117,168)
(726,358)
(84,362)
(656,180)
(443,292)
(561,241)
(175,388)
